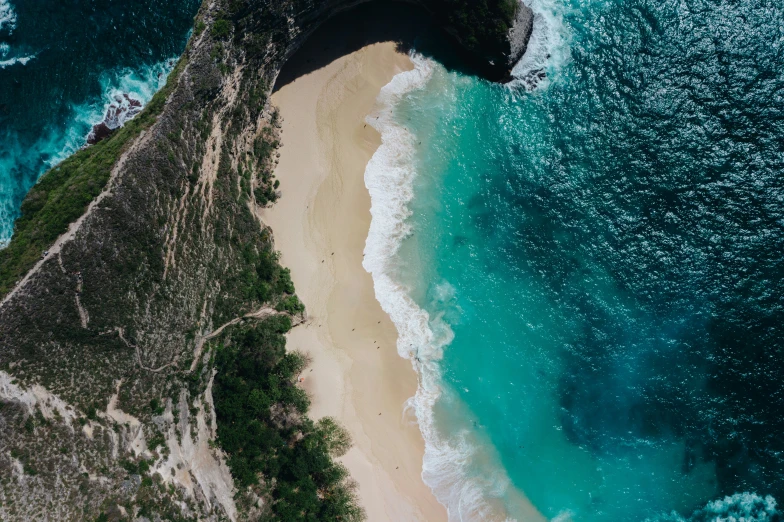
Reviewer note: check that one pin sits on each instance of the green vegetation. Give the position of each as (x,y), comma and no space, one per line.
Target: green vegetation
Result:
(156,407)
(271,445)
(263,149)
(263,281)
(136,468)
(156,441)
(221,29)
(265,194)
(62,195)
(290,304)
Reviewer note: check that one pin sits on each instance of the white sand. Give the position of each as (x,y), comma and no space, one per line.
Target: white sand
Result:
(320,226)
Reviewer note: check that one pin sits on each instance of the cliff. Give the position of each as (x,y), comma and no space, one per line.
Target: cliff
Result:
(157,275)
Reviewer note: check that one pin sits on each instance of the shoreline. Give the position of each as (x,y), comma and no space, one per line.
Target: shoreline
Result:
(320,226)
(462,468)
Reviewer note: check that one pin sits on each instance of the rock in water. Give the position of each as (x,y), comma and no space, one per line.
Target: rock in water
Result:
(120,111)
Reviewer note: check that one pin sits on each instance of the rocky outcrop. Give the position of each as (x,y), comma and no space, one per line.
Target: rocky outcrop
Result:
(123,108)
(520,34)
(495,33)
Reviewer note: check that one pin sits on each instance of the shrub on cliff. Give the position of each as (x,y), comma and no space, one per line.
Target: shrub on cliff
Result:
(221,29)
(270,443)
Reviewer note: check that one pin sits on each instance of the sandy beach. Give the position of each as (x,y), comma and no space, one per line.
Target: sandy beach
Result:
(320,226)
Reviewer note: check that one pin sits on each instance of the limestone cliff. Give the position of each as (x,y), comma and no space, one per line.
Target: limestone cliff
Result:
(153,251)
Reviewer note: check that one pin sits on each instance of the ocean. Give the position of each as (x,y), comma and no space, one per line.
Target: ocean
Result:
(62,65)
(586,267)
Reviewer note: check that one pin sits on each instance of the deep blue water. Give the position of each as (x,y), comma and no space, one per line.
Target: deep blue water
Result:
(608,251)
(61,62)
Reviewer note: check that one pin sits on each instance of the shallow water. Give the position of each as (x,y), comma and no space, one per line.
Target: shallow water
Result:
(599,260)
(61,64)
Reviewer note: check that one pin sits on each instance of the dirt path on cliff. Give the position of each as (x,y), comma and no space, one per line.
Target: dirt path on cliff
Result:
(259,314)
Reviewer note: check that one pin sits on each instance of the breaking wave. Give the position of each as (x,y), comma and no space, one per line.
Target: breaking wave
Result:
(7,16)
(7,26)
(22,60)
(740,507)
(450,464)
(119,88)
(548,47)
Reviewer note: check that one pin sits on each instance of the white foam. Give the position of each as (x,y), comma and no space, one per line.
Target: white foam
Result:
(7,16)
(7,25)
(22,60)
(142,83)
(740,507)
(548,47)
(138,84)
(564,516)
(389,178)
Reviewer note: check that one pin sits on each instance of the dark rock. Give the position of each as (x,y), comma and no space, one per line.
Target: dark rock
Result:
(120,111)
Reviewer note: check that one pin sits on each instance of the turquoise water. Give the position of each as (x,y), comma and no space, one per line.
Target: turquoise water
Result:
(600,261)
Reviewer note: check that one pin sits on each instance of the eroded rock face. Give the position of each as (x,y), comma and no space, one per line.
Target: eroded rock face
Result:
(105,335)
(520,34)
